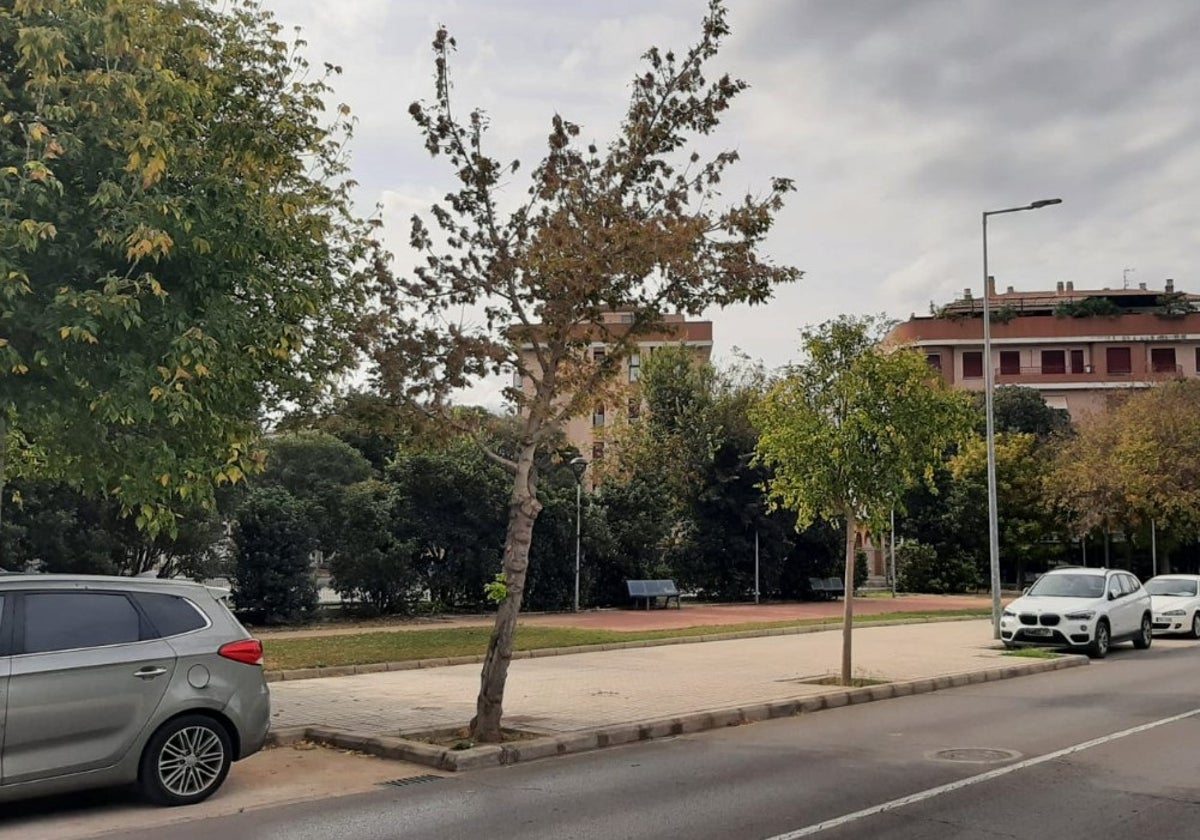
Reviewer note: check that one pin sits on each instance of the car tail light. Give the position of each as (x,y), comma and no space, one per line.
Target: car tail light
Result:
(248,652)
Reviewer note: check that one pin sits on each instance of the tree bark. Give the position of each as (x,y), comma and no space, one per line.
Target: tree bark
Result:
(522,513)
(848,598)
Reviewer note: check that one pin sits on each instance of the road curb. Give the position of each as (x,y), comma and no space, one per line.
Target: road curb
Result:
(495,755)
(441,662)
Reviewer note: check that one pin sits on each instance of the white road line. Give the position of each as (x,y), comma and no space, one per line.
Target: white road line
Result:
(912,799)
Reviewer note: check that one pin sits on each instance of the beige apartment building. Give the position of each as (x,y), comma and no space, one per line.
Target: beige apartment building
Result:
(587,432)
(1077,347)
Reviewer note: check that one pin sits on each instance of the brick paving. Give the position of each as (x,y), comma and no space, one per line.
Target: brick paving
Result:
(578,691)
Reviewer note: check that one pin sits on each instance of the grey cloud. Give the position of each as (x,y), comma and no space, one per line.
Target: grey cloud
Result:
(901,120)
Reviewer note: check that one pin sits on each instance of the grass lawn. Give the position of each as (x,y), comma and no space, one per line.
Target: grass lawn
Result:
(370,647)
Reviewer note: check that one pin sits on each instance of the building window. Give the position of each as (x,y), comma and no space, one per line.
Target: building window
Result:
(1162,359)
(635,367)
(1118,360)
(1054,361)
(597,450)
(598,416)
(1198,360)
(1010,362)
(635,408)
(972,364)
(934,360)
(1077,361)
(598,354)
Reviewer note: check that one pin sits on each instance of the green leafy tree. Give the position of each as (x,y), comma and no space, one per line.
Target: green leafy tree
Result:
(636,226)
(919,569)
(694,444)
(627,543)
(1134,464)
(178,253)
(307,463)
(550,584)
(55,528)
(1024,410)
(273,540)
(373,565)
(848,431)
(1029,528)
(374,425)
(450,508)
(315,469)
(950,515)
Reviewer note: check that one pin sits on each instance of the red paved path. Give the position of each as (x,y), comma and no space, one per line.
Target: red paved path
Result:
(691,615)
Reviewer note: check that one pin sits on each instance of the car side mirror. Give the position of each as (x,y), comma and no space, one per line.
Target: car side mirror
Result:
(1112,596)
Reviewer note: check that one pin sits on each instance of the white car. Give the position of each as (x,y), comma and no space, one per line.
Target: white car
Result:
(1080,608)
(1176,600)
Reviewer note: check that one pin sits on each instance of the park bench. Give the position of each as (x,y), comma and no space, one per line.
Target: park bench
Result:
(651,590)
(829,588)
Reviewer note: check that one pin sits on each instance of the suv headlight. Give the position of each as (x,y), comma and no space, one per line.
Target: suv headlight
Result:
(1173,612)
(1009,614)
(1083,615)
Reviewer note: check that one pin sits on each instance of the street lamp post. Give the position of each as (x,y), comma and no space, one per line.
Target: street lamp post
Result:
(989,386)
(580,462)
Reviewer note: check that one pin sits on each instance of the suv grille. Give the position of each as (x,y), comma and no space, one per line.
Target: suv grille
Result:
(1047,620)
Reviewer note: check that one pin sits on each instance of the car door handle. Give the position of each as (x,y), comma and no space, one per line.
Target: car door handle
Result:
(150,672)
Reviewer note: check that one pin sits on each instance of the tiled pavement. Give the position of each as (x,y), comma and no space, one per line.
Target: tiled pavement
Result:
(578,691)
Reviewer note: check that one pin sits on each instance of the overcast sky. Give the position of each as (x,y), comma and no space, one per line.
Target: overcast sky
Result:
(899,120)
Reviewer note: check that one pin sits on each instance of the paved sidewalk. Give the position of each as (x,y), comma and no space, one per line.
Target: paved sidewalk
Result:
(563,694)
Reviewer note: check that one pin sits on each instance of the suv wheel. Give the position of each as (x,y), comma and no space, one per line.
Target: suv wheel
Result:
(1196,626)
(1146,635)
(1098,649)
(185,761)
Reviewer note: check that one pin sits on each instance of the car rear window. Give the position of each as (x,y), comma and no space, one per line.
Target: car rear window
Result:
(72,620)
(170,615)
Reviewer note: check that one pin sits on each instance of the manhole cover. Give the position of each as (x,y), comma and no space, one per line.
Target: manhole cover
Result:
(972,755)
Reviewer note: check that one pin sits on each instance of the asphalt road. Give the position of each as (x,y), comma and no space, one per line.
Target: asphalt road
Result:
(1107,751)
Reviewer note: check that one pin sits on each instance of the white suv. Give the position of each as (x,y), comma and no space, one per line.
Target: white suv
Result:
(1080,608)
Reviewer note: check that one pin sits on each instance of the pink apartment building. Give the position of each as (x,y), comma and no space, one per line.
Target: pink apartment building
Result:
(1077,347)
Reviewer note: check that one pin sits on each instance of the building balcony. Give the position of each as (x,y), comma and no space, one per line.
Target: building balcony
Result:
(1141,327)
(1038,375)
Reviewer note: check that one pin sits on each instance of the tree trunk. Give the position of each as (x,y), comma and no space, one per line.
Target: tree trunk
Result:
(848,598)
(522,513)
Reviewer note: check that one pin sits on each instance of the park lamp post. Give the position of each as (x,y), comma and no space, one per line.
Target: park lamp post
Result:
(578,465)
(989,387)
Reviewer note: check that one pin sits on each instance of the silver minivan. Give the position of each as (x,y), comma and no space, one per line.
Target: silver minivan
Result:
(109,680)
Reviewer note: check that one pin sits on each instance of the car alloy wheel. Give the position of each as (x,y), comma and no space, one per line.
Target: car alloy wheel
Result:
(1196,626)
(190,761)
(1100,644)
(1146,635)
(186,761)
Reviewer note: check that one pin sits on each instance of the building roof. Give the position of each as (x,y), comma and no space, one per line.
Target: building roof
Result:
(1042,302)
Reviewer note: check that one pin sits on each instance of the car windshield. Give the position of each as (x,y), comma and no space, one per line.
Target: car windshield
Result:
(1180,588)
(1069,586)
